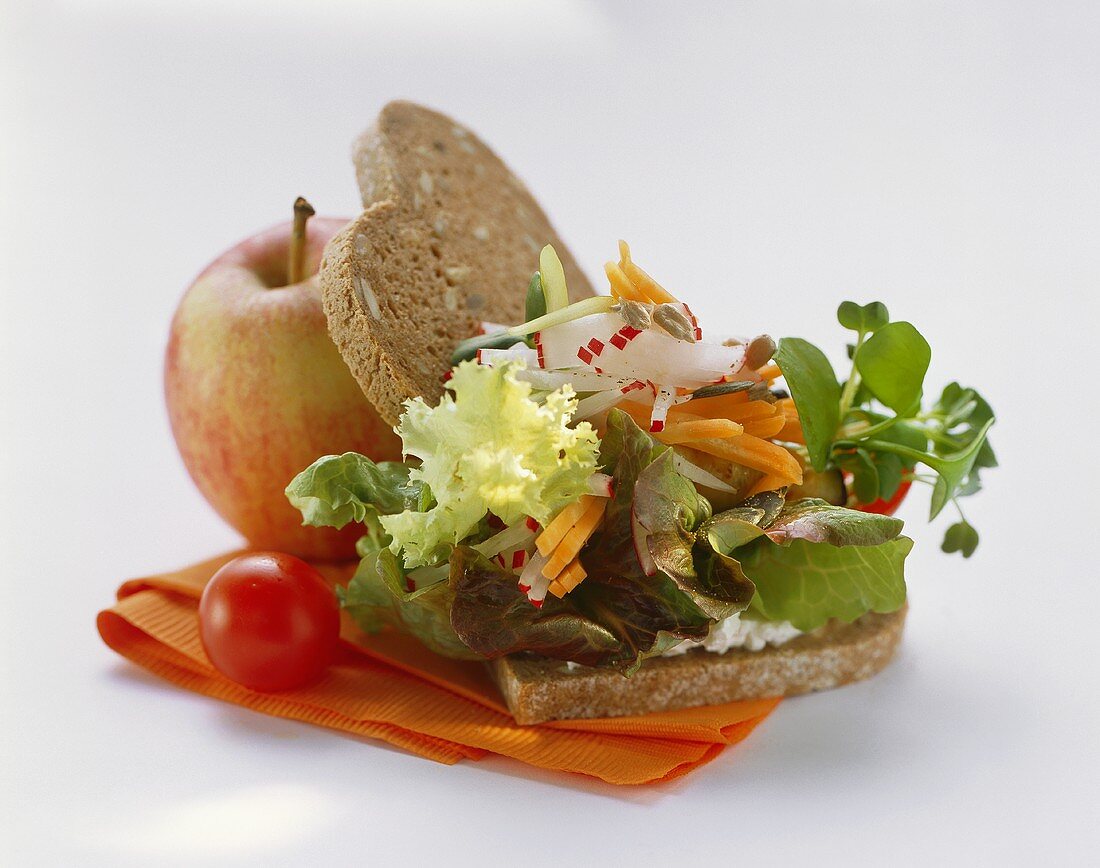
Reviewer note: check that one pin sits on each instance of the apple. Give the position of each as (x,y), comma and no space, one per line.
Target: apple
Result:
(256,390)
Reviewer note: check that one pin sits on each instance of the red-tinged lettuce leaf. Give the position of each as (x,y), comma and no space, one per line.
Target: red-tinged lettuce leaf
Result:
(646,614)
(669,507)
(625,451)
(809,583)
(493,617)
(817,521)
(613,622)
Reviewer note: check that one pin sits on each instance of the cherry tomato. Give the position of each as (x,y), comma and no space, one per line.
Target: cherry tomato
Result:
(887,507)
(269,621)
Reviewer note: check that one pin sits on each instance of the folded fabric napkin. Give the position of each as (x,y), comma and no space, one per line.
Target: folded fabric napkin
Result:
(388,686)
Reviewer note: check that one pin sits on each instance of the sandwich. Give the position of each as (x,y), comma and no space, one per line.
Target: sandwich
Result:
(616,507)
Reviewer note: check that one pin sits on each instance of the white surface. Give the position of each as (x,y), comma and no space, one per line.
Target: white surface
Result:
(767,160)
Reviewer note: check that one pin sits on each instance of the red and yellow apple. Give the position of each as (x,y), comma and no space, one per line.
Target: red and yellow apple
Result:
(256,390)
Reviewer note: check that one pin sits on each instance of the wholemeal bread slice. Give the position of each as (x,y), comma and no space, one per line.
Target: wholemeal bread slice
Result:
(537,690)
(450,238)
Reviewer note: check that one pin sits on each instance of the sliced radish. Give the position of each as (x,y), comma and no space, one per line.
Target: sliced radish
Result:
(421,577)
(601,485)
(581,379)
(597,403)
(641,546)
(512,537)
(698,475)
(515,353)
(664,399)
(604,341)
(532,582)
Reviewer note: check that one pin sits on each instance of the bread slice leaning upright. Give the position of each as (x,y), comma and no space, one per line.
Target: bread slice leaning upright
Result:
(448,240)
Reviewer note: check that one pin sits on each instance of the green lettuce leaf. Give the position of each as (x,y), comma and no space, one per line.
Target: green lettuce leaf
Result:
(424,612)
(809,583)
(378,596)
(489,447)
(338,489)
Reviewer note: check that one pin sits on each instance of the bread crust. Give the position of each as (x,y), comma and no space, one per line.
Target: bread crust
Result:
(449,238)
(538,689)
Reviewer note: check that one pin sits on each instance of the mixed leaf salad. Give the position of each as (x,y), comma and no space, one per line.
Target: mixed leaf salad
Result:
(600,484)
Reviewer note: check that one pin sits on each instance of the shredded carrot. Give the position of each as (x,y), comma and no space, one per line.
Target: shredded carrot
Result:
(557,529)
(752,452)
(751,410)
(643,282)
(705,409)
(697,429)
(621,287)
(746,449)
(770,371)
(767,483)
(573,541)
(572,575)
(766,428)
(717,407)
(791,431)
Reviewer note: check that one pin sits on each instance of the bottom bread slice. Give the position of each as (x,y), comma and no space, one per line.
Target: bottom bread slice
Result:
(538,689)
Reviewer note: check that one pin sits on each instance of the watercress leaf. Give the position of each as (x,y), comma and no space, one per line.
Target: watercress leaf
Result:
(892,363)
(338,489)
(971,485)
(952,468)
(817,521)
(890,470)
(960,537)
(863,318)
(816,395)
(865,482)
(904,434)
(808,583)
(536,299)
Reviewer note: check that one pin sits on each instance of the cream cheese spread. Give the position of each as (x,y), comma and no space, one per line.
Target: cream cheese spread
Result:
(735,632)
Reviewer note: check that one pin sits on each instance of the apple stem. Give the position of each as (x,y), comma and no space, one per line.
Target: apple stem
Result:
(296,267)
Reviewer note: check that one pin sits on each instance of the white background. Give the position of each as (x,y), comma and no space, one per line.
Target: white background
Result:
(764,159)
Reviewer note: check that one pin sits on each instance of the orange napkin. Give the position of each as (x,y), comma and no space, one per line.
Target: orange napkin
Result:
(389,686)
